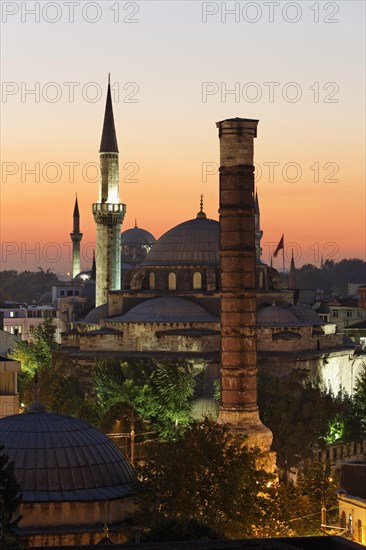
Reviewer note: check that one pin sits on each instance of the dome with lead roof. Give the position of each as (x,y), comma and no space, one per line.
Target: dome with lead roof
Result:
(59,458)
(306,314)
(276,316)
(191,243)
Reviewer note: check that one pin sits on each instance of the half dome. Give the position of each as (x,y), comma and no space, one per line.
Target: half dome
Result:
(167,309)
(276,316)
(306,315)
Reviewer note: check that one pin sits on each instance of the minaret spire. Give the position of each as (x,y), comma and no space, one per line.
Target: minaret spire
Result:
(108,143)
(292,273)
(108,211)
(76,237)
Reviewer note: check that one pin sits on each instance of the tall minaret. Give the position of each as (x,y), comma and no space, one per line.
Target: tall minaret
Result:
(292,274)
(239,407)
(76,237)
(108,211)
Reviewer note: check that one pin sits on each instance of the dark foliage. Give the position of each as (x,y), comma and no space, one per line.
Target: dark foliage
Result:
(27,286)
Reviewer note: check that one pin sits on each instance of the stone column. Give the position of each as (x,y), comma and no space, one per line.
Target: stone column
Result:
(238,287)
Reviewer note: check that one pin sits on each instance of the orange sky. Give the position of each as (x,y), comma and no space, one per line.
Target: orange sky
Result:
(169,133)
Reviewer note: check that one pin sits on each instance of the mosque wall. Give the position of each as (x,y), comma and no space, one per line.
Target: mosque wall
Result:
(335,370)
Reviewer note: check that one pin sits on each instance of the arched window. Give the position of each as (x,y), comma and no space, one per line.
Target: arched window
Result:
(197,280)
(359,531)
(152,281)
(172,281)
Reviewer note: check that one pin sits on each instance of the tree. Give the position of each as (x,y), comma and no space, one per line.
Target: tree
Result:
(9,499)
(173,388)
(359,400)
(37,353)
(160,392)
(206,474)
(297,413)
(129,382)
(320,487)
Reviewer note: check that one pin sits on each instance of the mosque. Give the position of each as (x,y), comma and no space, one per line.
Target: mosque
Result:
(161,298)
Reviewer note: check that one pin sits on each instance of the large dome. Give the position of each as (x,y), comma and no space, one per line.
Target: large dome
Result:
(60,458)
(194,242)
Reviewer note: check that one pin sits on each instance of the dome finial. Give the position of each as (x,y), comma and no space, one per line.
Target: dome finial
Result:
(135,223)
(201,213)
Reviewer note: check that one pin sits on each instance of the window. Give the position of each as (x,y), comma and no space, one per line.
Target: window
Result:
(359,313)
(350,524)
(172,281)
(76,293)
(12,314)
(62,293)
(349,313)
(152,281)
(31,328)
(69,292)
(359,531)
(197,280)
(343,520)
(335,313)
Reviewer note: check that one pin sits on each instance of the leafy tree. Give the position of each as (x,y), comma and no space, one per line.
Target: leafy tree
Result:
(206,474)
(316,482)
(9,499)
(37,353)
(115,382)
(359,400)
(297,413)
(26,286)
(174,386)
(160,392)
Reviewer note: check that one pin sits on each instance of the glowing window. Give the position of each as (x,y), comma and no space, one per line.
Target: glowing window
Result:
(172,281)
(359,530)
(152,281)
(197,280)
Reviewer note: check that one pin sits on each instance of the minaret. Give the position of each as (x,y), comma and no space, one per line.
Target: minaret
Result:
(108,211)
(239,407)
(292,274)
(258,230)
(76,237)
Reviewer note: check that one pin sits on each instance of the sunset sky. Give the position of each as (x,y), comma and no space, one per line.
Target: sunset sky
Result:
(173,65)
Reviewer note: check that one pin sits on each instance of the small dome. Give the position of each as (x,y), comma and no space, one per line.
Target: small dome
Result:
(137,236)
(167,309)
(96,314)
(45,299)
(306,315)
(83,275)
(275,316)
(60,458)
(194,242)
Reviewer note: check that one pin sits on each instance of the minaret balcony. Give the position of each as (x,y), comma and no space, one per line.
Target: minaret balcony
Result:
(108,214)
(109,207)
